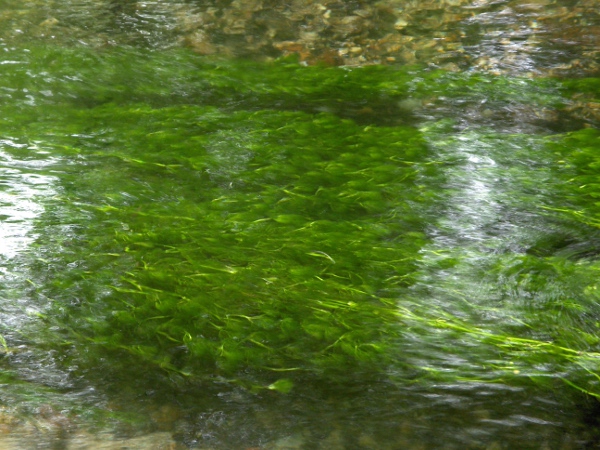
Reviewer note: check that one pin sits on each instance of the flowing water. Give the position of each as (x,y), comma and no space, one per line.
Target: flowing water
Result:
(360,225)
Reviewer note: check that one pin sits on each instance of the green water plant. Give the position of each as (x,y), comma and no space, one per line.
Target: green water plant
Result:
(223,242)
(263,224)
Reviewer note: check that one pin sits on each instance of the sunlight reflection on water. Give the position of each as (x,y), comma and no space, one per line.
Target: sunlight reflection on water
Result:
(21,185)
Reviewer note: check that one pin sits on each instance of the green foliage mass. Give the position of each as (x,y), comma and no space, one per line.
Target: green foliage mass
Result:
(254,239)
(580,160)
(267,239)
(260,223)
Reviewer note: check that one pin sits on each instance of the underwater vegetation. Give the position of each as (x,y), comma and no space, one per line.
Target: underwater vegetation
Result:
(263,224)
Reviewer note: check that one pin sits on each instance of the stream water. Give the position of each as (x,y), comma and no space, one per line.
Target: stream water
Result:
(240,225)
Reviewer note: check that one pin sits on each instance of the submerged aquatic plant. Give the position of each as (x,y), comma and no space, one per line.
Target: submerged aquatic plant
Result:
(257,240)
(259,223)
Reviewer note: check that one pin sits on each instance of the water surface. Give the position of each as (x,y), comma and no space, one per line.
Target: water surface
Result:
(228,252)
